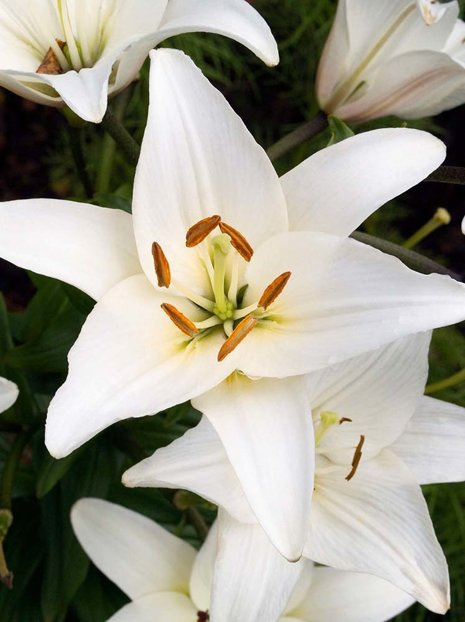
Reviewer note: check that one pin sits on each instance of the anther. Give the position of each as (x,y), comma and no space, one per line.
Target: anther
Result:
(198,232)
(180,320)
(345,420)
(356,459)
(203,616)
(274,289)
(50,65)
(239,333)
(162,267)
(238,241)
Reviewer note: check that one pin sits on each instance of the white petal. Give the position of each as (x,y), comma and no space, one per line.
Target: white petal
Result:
(252,580)
(132,550)
(433,444)
(265,427)
(378,523)
(231,18)
(133,19)
(202,572)
(89,247)
(378,392)
(129,361)
(197,462)
(162,607)
(340,596)
(8,394)
(338,187)
(198,159)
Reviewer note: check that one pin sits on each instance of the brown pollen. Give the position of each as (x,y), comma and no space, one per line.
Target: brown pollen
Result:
(239,333)
(238,241)
(162,267)
(50,64)
(180,320)
(274,289)
(198,232)
(356,459)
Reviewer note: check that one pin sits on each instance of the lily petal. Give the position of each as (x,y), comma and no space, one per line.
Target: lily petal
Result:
(132,550)
(379,523)
(130,360)
(89,247)
(252,580)
(383,162)
(8,394)
(197,462)
(341,596)
(202,571)
(231,18)
(267,432)
(165,606)
(192,129)
(433,444)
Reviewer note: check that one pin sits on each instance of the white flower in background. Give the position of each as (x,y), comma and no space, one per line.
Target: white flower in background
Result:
(224,267)
(166,579)
(78,52)
(8,394)
(392,57)
(377,438)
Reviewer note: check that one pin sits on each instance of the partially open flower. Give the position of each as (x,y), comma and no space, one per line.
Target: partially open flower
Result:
(77,52)
(393,57)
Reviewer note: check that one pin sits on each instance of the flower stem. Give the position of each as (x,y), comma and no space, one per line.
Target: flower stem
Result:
(75,145)
(9,470)
(121,136)
(448,175)
(453,380)
(441,217)
(413,260)
(304,132)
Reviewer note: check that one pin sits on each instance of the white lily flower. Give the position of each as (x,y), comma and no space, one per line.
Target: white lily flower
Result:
(8,394)
(267,284)
(376,440)
(72,52)
(166,579)
(393,57)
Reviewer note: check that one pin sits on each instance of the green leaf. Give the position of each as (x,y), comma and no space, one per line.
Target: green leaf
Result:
(51,471)
(44,307)
(339,130)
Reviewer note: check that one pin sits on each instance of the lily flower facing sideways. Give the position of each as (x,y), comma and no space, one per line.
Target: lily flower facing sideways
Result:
(168,580)
(72,52)
(8,394)
(223,267)
(376,439)
(393,57)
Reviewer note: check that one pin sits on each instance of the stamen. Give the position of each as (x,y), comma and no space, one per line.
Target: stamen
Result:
(239,333)
(356,459)
(274,289)
(162,267)
(180,320)
(51,65)
(238,241)
(203,616)
(345,420)
(198,232)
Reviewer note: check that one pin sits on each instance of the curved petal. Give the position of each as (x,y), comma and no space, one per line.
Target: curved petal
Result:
(231,18)
(8,394)
(252,580)
(341,596)
(378,523)
(378,392)
(198,159)
(267,432)
(202,571)
(132,550)
(323,193)
(133,19)
(197,462)
(130,360)
(89,247)
(433,444)
(162,607)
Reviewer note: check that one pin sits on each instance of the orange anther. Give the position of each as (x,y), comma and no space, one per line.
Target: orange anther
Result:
(274,289)
(162,267)
(239,333)
(198,232)
(356,459)
(180,320)
(238,241)
(50,64)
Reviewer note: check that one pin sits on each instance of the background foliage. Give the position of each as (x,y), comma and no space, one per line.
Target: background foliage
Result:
(40,318)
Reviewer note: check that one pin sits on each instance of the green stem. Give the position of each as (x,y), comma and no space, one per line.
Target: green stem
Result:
(75,144)
(9,469)
(295,138)
(448,175)
(109,146)
(453,380)
(197,521)
(121,136)
(413,260)
(441,217)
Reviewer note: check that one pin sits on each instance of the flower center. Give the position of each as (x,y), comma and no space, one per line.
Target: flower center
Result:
(221,256)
